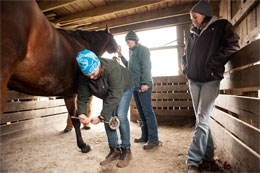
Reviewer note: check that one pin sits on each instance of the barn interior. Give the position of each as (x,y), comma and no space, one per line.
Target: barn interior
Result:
(234,121)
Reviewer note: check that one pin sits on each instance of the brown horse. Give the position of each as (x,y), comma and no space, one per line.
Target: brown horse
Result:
(38,59)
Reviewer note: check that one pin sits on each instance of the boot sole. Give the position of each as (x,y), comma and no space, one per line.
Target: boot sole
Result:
(154,147)
(110,162)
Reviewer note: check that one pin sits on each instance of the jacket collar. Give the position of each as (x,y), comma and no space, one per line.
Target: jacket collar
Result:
(196,31)
(135,46)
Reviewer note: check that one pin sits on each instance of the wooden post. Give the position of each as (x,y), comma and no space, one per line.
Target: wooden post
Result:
(182,30)
(180,43)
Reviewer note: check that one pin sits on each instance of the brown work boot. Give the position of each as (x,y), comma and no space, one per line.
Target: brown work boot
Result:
(209,166)
(112,155)
(140,140)
(150,145)
(124,158)
(193,169)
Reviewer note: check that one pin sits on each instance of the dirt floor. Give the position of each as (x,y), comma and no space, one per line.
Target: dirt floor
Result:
(50,150)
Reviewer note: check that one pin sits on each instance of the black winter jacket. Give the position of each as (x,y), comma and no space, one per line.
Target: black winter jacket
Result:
(208,51)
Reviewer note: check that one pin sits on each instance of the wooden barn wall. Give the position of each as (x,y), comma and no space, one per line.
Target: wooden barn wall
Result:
(171,100)
(235,118)
(245,16)
(25,114)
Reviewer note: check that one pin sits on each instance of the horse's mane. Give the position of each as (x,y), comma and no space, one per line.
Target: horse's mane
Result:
(86,35)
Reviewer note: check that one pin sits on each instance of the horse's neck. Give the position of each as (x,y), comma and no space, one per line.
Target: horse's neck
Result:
(71,41)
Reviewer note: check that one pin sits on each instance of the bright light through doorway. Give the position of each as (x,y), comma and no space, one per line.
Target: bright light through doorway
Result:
(164,62)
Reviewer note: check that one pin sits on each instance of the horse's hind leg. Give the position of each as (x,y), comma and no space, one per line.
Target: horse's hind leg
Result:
(5,74)
(3,90)
(71,106)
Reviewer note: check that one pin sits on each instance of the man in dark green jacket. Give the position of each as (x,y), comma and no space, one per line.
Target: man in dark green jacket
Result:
(110,81)
(140,67)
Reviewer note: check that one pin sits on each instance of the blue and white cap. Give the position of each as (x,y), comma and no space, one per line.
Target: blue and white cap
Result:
(88,62)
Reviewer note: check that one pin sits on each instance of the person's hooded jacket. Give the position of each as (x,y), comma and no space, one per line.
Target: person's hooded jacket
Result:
(140,66)
(207,51)
(110,86)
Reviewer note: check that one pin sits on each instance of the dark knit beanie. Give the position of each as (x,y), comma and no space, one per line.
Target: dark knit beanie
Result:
(202,7)
(131,35)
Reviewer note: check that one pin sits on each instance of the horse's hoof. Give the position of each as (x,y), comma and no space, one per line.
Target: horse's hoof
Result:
(85,149)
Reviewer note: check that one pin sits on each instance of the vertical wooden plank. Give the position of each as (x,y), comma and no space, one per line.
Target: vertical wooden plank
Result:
(235,6)
(224,9)
(228,3)
(180,43)
(238,31)
(258,15)
(243,32)
(251,20)
(215,6)
(221,9)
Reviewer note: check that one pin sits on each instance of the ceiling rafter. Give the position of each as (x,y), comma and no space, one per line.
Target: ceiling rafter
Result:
(138,18)
(100,11)
(172,21)
(51,5)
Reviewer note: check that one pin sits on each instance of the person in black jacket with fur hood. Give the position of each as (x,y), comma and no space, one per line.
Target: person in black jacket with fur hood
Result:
(209,47)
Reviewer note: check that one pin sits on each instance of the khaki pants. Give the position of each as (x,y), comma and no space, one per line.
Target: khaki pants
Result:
(69,122)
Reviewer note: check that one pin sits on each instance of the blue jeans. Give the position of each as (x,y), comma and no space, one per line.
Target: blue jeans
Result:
(143,101)
(203,99)
(124,128)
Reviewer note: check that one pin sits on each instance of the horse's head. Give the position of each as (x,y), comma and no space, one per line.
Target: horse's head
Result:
(100,41)
(112,44)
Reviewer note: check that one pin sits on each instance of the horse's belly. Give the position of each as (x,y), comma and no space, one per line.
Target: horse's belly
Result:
(44,85)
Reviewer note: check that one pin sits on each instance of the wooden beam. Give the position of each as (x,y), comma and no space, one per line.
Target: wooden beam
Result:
(171,96)
(173,21)
(172,104)
(243,11)
(245,108)
(170,79)
(51,5)
(73,26)
(175,112)
(168,119)
(245,78)
(30,105)
(245,132)
(144,17)
(49,15)
(100,11)
(12,95)
(30,126)
(251,52)
(180,34)
(170,88)
(25,115)
(252,36)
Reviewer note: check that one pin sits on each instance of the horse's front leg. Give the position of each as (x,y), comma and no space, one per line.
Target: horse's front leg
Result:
(71,106)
